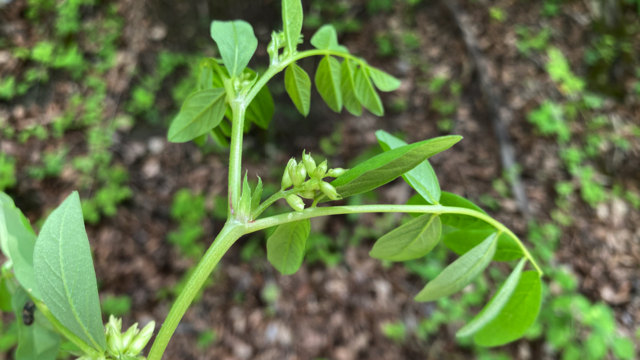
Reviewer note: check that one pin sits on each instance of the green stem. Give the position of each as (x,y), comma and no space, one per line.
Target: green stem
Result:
(88,350)
(229,234)
(273,198)
(434,209)
(235,158)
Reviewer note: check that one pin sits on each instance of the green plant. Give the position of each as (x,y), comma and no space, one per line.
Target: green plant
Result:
(498,14)
(7,171)
(116,305)
(55,271)
(188,210)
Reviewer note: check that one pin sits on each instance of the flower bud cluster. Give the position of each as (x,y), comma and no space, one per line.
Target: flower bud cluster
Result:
(296,174)
(131,342)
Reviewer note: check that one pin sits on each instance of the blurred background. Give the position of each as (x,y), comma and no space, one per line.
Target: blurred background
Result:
(545,92)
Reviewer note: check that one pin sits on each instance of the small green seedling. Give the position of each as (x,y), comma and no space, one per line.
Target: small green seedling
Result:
(54,270)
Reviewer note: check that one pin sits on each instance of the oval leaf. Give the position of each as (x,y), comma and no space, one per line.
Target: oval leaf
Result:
(461,241)
(34,341)
(328,82)
(383,81)
(367,94)
(326,38)
(298,86)
(495,305)
(18,241)
(461,221)
(201,112)
(65,275)
(287,245)
(461,272)
(292,18)
(348,86)
(387,166)
(422,178)
(236,42)
(412,240)
(516,316)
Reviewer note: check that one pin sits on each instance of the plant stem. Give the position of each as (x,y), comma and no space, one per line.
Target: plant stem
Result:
(231,232)
(238,108)
(433,209)
(273,198)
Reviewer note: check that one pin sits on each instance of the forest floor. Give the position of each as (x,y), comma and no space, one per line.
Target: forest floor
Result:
(336,309)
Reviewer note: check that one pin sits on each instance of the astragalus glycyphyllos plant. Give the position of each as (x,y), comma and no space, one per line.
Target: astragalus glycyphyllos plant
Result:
(54,270)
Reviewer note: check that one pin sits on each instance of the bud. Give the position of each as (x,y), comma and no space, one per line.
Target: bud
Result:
(311,185)
(330,191)
(286,177)
(141,340)
(309,163)
(128,336)
(114,340)
(335,172)
(321,170)
(299,175)
(295,202)
(272,48)
(308,194)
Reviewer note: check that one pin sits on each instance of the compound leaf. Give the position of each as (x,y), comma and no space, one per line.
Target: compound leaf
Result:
(516,316)
(298,86)
(387,166)
(292,17)
(287,245)
(366,93)
(65,275)
(461,272)
(495,305)
(383,81)
(326,38)
(461,241)
(347,87)
(201,112)
(236,42)
(410,241)
(328,82)
(422,178)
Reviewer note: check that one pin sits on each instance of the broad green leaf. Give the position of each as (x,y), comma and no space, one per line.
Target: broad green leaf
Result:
(257,195)
(292,23)
(461,221)
(495,305)
(387,166)
(366,93)
(516,316)
(37,341)
(18,241)
(298,86)
(412,240)
(236,43)
(461,241)
(328,82)
(326,38)
(348,86)
(201,112)
(383,81)
(65,275)
(422,178)
(461,272)
(624,348)
(287,245)
(261,109)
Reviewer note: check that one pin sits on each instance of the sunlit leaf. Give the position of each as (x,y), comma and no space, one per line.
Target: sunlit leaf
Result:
(366,93)
(201,112)
(347,87)
(382,80)
(328,82)
(298,86)
(236,43)
(292,18)
(326,38)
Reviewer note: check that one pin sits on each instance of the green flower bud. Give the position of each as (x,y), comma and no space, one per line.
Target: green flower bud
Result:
(335,172)
(321,170)
(128,336)
(286,177)
(311,185)
(295,202)
(308,194)
(309,163)
(330,191)
(141,340)
(114,323)
(299,175)
(114,341)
